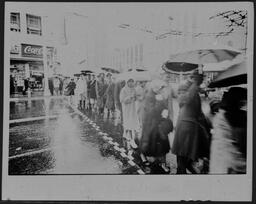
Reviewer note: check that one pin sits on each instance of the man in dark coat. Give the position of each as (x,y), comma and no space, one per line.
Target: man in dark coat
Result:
(191,140)
(50,84)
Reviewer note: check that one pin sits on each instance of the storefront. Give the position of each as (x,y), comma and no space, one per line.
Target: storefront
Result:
(26,63)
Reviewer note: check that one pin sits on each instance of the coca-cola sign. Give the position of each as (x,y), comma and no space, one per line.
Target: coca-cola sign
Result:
(32,51)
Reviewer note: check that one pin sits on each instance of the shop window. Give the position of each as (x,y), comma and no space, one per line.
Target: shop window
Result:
(15,22)
(34,25)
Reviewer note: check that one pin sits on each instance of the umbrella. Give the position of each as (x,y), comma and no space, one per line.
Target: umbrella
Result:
(139,70)
(205,54)
(174,67)
(136,75)
(86,72)
(77,75)
(234,75)
(111,70)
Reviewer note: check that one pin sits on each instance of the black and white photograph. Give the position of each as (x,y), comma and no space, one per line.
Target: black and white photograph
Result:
(140,99)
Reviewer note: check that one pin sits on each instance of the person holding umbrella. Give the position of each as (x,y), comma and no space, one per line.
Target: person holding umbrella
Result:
(71,89)
(191,139)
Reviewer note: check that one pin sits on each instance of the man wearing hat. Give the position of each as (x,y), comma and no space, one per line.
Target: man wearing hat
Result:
(191,139)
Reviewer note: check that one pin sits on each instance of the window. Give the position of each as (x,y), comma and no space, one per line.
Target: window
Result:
(15,22)
(34,25)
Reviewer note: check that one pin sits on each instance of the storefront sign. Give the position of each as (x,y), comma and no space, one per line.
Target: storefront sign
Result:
(15,49)
(35,51)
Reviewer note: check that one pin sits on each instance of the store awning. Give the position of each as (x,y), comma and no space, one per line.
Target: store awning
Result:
(26,59)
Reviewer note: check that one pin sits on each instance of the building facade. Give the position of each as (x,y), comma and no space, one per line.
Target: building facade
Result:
(32,56)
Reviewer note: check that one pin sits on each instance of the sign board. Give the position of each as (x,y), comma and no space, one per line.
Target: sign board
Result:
(35,51)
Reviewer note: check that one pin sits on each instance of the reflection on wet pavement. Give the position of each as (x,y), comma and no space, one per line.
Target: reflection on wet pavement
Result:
(66,145)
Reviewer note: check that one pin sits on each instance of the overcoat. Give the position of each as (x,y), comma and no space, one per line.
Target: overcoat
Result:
(130,117)
(191,139)
(154,142)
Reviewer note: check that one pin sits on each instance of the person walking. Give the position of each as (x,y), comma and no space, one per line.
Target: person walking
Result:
(156,126)
(101,93)
(110,101)
(56,85)
(80,91)
(130,117)
(118,106)
(191,139)
(71,90)
(51,87)
(92,92)
(61,87)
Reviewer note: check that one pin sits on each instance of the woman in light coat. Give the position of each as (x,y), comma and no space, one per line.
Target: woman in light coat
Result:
(130,117)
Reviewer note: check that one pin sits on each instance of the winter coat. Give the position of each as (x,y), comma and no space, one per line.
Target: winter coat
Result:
(155,129)
(191,139)
(130,117)
(110,101)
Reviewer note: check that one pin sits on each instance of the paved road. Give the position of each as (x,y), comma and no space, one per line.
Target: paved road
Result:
(48,136)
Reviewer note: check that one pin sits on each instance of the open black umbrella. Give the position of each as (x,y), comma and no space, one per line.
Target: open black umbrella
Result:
(111,70)
(174,67)
(234,75)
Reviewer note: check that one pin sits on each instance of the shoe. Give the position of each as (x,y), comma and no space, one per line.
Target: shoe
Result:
(133,144)
(165,168)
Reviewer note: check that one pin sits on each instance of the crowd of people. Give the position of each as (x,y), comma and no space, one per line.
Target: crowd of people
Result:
(216,138)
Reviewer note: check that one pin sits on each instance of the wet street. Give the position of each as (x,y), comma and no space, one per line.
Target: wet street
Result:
(48,136)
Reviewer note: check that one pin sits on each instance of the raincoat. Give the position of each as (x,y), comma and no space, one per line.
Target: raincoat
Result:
(130,117)
(191,139)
